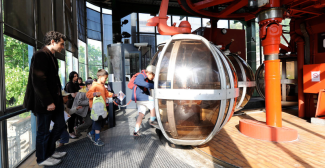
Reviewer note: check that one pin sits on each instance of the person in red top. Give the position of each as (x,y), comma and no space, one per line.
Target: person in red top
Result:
(98,89)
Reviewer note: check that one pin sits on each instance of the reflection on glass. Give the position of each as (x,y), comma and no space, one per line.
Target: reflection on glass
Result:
(17,57)
(143,18)
(195,23)
(21,134)
(68,64)
(188,64)
(188,119)
(222,24)
(155,58)
(62,72)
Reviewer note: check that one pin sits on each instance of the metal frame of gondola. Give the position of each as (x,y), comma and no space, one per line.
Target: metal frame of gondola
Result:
(205,94)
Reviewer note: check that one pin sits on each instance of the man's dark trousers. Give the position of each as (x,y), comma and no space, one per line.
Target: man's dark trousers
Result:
(45,140)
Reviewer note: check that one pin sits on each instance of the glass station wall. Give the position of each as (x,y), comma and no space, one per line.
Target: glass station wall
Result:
(88,29)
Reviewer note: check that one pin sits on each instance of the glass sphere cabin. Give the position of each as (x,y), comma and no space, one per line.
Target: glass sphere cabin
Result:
(195,90)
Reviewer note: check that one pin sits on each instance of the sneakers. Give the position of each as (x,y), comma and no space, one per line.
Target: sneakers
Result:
(153,123)
(59,154)
(91,137)
(76,132)
(50,162)
(99,142)
(136,134)
(72,136)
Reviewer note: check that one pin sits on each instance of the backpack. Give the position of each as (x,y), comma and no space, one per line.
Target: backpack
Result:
(98,110)
(131,84)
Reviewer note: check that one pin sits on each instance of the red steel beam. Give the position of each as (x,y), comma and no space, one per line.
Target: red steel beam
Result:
(233,7)
(209,3)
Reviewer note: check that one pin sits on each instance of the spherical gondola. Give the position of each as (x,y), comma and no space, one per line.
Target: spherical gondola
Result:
(246,80)
(195,90)
(289,91)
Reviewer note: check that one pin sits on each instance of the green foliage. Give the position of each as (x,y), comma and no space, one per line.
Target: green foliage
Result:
(94,60)
(16,70)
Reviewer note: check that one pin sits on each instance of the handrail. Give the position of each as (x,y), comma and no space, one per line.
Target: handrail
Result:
(6,116)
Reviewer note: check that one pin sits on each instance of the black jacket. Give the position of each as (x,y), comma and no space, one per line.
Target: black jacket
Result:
(44,86)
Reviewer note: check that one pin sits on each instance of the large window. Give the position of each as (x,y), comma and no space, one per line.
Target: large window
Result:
(17,56)
(195,22)
(94,57)
(68,63)
(178,19)
(62,72)
(82,60)
(143,18)
(222,24)
(21,134)
(234,24)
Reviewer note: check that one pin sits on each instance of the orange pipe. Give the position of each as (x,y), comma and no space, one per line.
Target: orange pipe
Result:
(161,22)
(273,93)
(300,61)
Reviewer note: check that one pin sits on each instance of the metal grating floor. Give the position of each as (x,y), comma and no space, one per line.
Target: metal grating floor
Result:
(121,149)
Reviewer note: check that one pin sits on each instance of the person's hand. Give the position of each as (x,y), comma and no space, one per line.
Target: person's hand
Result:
(51,107)
(79,107)
(97,93)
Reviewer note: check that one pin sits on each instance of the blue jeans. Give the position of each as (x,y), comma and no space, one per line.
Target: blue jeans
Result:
(64,138)
(45,140)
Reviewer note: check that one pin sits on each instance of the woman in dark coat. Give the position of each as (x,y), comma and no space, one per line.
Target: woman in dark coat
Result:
(72,87)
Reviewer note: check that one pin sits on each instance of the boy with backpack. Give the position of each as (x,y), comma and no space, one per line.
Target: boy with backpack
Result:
(141,95)
(98,89)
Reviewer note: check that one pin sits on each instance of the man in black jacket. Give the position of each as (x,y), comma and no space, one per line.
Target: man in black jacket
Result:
(43,98)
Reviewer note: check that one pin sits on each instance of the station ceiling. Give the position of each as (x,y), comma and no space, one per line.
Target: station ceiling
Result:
(141,6)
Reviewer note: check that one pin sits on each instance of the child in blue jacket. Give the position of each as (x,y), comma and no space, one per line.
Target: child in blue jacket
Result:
(143,83)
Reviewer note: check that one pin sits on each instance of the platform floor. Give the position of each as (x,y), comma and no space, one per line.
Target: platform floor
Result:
(122,149)
(235,148)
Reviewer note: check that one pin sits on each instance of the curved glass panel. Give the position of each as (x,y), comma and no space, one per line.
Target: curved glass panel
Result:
(155,58)
(290,88)
(188,64)
(239,75)
(188,119)
(249,77)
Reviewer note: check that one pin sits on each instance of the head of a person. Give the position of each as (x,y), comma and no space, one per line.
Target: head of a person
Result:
(95,80)
(80,80)
(150,72)
(89,83)
(54,40)
(65,96)
(73,76)
(102,76)
(89,78)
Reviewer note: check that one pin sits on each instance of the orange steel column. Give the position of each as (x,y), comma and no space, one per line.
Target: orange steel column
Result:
(300,60)
(271,43)
(270,33)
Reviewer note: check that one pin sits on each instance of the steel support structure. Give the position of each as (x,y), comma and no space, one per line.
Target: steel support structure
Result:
(3,124)
(251,44)
(116,18)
